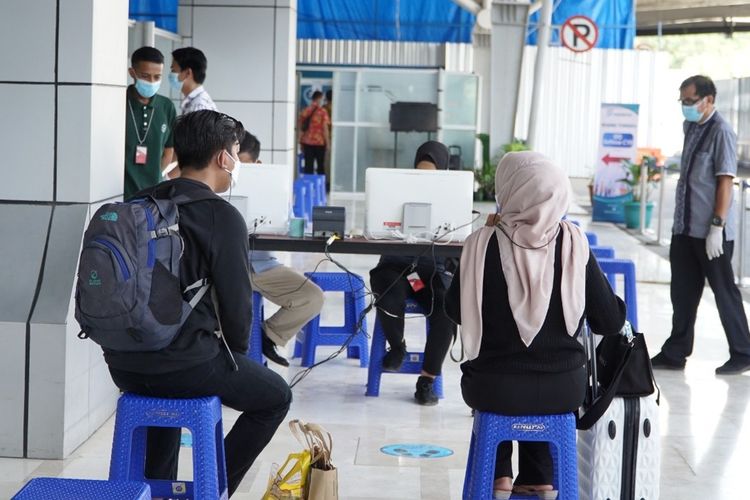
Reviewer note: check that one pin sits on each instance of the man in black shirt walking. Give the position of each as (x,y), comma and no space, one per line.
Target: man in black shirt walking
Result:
(197,363)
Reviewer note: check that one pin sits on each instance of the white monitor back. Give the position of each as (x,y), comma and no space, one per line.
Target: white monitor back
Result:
(264,193)
(450,193)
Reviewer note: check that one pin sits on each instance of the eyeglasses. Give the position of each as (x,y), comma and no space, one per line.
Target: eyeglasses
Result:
(690,102)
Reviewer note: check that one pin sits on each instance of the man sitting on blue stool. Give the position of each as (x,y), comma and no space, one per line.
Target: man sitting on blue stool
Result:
(299,298)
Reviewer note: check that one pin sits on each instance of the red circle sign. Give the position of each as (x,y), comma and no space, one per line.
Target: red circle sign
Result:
(579,33)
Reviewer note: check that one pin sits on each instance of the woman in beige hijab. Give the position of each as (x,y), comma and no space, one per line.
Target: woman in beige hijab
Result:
(525,283)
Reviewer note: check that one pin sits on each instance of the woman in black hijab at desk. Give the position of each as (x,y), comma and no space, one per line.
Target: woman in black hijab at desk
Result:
(424,280)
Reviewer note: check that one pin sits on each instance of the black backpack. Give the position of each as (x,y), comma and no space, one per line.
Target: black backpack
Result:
(128,295)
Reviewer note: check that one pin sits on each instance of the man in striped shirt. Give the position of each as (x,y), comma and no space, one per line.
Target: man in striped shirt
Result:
(188,74)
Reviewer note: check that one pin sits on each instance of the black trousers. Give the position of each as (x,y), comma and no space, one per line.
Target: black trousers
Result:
(690,269)
(392,304)
(316,154)
(260,394)
(524,394)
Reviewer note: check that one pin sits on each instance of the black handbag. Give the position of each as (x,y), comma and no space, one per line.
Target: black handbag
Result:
(623,368)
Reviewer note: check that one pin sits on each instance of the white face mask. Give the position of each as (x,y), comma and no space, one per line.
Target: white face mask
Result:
(234,174)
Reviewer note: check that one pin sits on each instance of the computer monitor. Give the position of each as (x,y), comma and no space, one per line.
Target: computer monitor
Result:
(263,196)
(449,193)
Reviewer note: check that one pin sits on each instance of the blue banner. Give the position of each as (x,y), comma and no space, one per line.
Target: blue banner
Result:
(437,21)
(615,20)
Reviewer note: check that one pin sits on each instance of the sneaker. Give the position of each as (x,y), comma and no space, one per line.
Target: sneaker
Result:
(661,362)
(394,358)
(734,367)
(269,351)
(425,394)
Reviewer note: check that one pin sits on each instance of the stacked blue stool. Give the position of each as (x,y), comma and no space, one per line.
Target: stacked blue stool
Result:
(602,252)
(593,239)
(314,335)
(301,199)
(255,347)
(412,363)
(626,268)
(320,188)
(202,416)
(82,489)
(491,429)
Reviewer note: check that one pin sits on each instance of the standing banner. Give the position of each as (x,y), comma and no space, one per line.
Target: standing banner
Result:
(618,141)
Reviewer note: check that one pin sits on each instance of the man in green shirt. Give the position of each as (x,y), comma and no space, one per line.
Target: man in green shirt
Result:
(149,120)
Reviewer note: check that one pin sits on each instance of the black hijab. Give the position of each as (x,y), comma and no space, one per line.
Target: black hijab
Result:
(435,152)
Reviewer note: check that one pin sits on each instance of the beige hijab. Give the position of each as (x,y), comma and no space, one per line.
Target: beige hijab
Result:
(533,195)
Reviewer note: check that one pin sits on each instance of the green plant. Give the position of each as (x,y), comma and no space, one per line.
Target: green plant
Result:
(633,176)
(485,176)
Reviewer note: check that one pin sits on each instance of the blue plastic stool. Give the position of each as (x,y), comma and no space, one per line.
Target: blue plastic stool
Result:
(314,335)
(593,239)
(603,252)
(491,429)
(412,363)
(255,347)
(626,268)
(82,489)
(202,416)
(320,188)
(300,200)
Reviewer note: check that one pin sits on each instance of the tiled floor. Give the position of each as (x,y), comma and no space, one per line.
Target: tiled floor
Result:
(704,423)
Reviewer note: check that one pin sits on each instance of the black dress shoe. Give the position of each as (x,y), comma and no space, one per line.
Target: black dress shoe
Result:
(661,362)
(734,367)
(269,351)
(425,393)
(394,358)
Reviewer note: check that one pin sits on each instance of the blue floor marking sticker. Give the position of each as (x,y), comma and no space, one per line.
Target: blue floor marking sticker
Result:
(412,450)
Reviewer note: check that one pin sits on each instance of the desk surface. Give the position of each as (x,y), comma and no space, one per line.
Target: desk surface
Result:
(356,245)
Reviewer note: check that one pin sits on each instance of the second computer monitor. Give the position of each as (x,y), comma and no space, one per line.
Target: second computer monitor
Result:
(450,195)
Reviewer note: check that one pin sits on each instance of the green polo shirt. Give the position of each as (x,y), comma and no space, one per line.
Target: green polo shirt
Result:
(152,123)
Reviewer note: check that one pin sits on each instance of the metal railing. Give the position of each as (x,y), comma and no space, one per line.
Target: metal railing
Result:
(740,271)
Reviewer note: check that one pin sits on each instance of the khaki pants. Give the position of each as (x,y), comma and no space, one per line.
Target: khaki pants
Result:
(300,301)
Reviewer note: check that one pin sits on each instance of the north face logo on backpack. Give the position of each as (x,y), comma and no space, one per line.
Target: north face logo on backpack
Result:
(109,216)
(94,279)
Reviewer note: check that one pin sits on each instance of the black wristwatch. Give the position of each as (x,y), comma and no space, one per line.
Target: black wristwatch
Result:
(718,221)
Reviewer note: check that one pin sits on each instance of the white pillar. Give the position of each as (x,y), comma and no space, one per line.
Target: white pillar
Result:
(251,50)
(62,137)
(545,20)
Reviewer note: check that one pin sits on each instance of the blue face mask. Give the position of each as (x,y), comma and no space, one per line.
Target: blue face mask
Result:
(174,81)
(147,89)
(691,113)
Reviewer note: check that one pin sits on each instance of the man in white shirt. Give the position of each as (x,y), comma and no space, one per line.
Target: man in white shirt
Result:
(188,74)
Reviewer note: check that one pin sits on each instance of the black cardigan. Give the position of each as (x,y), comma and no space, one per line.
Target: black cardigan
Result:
(553,350)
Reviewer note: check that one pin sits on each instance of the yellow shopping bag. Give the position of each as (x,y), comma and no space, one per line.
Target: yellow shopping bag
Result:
(289,482)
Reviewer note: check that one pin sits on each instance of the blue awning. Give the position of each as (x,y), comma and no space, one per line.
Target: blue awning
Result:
(162,12)
(397,20)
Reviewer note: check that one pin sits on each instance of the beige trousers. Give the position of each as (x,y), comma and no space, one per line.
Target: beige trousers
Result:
(300,301)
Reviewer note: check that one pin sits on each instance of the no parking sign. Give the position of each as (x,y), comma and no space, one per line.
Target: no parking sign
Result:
(579,33)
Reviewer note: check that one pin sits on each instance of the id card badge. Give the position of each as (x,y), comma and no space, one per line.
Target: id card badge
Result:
(141,155)
(415,281)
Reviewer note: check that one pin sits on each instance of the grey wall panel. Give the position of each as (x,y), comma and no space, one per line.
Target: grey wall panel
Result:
(27,141)
(47,391)
(27,38)
(12,366)
(61,264)
(23,231)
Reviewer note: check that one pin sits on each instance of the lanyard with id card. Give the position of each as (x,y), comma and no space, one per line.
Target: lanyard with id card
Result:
(141,150)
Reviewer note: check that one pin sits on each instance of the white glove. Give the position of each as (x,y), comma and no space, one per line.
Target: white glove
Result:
(714,242)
